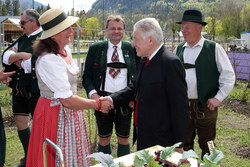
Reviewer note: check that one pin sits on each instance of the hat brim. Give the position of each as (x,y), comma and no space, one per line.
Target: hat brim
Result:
(203,23)
(70,20)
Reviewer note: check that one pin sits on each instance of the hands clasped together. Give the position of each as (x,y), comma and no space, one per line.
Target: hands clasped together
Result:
(104,104)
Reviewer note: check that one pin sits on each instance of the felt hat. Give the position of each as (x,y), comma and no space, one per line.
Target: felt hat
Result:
(54,21)
(192,16)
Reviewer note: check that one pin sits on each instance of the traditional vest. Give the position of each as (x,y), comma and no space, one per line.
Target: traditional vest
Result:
(206,71)
(20,78)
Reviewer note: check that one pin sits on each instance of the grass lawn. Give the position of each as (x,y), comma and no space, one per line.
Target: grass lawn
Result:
(232,137)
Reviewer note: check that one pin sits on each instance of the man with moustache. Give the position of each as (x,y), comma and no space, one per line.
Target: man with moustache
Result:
(110,66)
(25,93)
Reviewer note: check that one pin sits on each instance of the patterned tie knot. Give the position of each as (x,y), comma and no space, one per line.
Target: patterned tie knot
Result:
(115,56)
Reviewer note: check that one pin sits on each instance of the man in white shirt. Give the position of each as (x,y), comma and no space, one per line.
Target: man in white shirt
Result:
(210,78)
(110,66)
(25,93)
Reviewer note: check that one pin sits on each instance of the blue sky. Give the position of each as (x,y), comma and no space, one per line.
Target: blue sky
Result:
(67,5)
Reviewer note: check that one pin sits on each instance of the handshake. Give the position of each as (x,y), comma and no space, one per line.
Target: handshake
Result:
(105,103)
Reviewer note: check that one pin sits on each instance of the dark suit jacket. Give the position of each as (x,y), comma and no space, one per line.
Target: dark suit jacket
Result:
(163,111)
(95,64)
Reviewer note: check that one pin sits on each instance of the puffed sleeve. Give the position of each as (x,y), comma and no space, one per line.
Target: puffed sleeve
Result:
(53,72)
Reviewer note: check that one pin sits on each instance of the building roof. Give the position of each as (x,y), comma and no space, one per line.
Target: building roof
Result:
(3,18)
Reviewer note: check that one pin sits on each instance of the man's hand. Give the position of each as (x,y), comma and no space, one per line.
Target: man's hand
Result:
(107,104)
(212,103)
(18,63)
(4,76)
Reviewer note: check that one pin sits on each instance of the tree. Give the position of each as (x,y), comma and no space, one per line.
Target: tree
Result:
(213,27)
(82,18)
(245,18)
(93,24)
(8,7)
(230,11)
(16,8)
(4,10)
(48,7)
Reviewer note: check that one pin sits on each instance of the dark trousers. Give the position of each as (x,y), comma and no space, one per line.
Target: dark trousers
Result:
(203,123)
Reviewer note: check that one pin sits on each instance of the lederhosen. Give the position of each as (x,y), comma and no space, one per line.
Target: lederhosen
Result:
(24,86)
(202,119)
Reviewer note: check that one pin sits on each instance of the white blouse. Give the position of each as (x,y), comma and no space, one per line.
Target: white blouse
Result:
(54,71)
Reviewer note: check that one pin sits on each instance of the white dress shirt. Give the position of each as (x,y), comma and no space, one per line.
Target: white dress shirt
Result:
(26,64)
(226,78)
(114,84)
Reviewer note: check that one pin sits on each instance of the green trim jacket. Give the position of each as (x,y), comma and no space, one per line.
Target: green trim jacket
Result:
(96,64)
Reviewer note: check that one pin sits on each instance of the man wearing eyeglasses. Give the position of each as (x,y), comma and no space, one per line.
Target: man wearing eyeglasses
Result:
(110,66)
(25,93)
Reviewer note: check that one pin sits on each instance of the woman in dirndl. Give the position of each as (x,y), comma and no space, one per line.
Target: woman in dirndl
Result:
(58,115)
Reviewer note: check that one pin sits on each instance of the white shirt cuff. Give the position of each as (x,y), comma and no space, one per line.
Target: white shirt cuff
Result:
(26,65)
(92,92)
(6,56)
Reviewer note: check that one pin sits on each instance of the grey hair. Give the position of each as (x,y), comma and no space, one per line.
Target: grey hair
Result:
(32,14)
(150,27)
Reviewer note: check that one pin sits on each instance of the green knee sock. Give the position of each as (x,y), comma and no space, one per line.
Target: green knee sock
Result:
(123,150)
(24,136)
(105,149)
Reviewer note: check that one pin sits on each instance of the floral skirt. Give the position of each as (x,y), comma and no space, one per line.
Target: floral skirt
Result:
(63,126)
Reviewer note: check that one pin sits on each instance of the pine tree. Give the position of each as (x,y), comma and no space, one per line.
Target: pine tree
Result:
(8,7)
(48,7)
(4,10)
(16,8)
(39,10)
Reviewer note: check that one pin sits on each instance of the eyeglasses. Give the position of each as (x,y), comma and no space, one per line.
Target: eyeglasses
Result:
(118,29)
(23,22)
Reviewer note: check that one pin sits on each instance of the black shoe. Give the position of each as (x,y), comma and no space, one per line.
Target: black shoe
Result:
(22,163)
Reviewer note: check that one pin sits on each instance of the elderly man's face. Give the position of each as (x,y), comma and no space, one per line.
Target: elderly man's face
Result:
(27,25)
(142,45)
(191,32)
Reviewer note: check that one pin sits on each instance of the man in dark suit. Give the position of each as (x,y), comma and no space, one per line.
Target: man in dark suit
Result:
(160,91)
(25,92)
(110,66)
